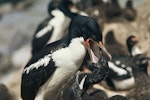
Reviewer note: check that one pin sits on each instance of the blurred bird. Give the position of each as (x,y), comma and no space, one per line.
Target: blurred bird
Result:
(120,73)
(55,26)
(129,13)
(112,10)
(49,69)
(80,88)
(114,47)
(137,56)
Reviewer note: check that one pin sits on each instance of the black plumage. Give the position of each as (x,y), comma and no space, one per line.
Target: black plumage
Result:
(45,27)
(42,66)
(78,89)
(120,70)
(139,58)
(129,13)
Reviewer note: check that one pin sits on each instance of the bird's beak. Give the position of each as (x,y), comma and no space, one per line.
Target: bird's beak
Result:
(96,51)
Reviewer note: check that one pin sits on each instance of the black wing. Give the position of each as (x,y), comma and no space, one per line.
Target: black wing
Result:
(43,24)
(39,42)
(32,80)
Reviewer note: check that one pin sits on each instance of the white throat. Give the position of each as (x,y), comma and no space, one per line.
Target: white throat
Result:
(135,51)
(73,53)
(68,61)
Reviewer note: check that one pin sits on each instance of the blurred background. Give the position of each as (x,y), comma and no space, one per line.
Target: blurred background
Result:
(20,18)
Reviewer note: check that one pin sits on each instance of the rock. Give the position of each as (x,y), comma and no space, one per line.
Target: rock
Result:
(21,56)
(4,62)
(18,41)
(14,83)
(4,93)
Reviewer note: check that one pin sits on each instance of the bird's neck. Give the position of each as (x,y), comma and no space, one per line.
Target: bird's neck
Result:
(97,75)
(78,49)
(72,34)
(135,51)
(57,13)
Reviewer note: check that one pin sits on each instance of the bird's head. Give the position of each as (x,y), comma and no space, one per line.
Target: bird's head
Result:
(54,4)
(131,42)
(88,28)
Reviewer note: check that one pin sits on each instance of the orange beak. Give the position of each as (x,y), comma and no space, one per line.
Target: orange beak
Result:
(94,48)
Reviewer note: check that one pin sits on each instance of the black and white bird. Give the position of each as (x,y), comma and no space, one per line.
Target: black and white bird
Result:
(120,76)
(55,26)
(99,73)
(49,69)
(137,55)
(80,88)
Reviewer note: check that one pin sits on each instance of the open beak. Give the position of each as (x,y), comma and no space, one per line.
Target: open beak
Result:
(96,51)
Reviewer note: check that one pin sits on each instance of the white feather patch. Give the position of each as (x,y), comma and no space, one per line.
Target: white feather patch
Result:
(70,55)
(63,57)
(82,82)
(60,22)
(68,61)
(96,12)
(44,31)
(124,84)
(116,69)
(123,66)
(42,62)
(117,62)
(135,51)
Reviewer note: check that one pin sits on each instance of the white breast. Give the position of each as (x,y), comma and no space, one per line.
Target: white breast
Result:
(124,84)
(68,61)
(136,51)
(60,22)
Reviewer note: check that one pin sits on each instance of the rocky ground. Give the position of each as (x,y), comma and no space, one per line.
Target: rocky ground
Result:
(18,25)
